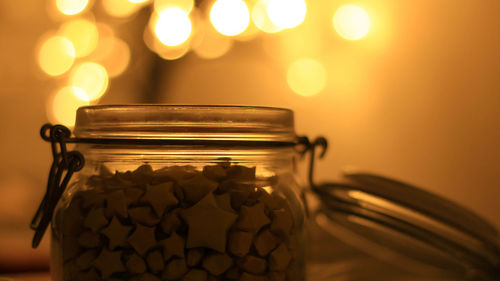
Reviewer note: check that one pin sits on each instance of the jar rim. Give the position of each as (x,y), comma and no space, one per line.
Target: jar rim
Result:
(185,122)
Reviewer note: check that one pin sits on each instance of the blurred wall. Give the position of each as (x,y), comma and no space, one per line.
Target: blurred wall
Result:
(416,99)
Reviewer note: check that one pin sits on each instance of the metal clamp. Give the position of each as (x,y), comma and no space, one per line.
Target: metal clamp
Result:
(63,160)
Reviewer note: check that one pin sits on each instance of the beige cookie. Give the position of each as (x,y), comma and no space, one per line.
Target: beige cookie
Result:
(144,215)
(239,242)
(116,204)
(173,246)
(252,277)
(217,264)
(253,264)
(215,172)
(155,261)
(175,270)
(282,222)
(142,239)
(135,264)
(171,222)
(252,218)
(194,256)
(89,239)
(108,263)
(276,276)
(195,275)
(95,219)
(279,258)
(161,197)
(197,187)
(207,225)
(265,242)
(117,233)
(84,261)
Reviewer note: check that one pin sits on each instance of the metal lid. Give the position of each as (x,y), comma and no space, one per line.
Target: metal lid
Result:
(408,227)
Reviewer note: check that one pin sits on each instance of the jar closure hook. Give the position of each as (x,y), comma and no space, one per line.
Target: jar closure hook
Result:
(63,160)
(307,146)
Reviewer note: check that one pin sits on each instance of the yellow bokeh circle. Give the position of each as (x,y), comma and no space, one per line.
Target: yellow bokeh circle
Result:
(351,22)
(56,55)
(230,17)
(306,77)
(92,78)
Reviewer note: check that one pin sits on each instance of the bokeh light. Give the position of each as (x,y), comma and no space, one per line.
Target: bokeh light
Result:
(112,53)
(169,53)
(186,5)
(162,50)
(173,26)
(56,55)
(260,17)
(121,8)
(71,7)
(230,17)
(287,13)
(211,44)
(82,33)
(62,106)
(92,78)
(351,22)
(306,77)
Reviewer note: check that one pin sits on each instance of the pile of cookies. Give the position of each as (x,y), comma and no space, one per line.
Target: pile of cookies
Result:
(178,223)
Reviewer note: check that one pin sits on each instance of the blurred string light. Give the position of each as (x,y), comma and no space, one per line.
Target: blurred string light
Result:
(287,13)
(71,7)
(210,44)
(122,8)
(92,78)
(260,17)
(185,5)
(351,22)
(56,55)
(306,77)
(113,54)
(62,105)
(230,17)
(173,26)
(92,54)
(82,33)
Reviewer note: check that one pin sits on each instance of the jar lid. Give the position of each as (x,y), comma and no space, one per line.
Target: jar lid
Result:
(185,122)
(408,227)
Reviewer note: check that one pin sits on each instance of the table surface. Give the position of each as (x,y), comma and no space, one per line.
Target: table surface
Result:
(41,276)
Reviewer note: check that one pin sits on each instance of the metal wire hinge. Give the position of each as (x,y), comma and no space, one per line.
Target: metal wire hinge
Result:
(64,164)
(308,146)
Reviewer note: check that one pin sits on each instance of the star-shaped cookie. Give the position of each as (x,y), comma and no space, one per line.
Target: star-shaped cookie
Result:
(142,239)
(108,263)
(173,246)
(252,218)
(116,233)
(208,224)
(161,197)
(95,219)
(116,204)
(197,187)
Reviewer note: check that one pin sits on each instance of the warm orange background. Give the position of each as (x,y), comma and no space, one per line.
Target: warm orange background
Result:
(417,99)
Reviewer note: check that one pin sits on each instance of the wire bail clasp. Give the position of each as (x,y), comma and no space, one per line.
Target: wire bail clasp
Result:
(308,146)
(63,160)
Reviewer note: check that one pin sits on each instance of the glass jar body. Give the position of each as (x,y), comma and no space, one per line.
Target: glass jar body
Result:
(180,213)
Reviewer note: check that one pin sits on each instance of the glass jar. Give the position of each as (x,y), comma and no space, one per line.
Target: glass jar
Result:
(369,227)
(181,193)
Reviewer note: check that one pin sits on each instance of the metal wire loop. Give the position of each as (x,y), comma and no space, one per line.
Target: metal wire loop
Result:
(64,164)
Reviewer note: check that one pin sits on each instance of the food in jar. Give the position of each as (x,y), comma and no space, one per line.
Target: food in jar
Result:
(178,223)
